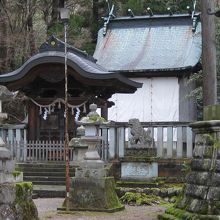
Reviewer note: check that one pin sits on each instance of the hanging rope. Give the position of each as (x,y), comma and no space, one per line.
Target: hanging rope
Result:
(50,107)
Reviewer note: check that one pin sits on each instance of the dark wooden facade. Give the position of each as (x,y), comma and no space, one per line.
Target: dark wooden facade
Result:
(41,78)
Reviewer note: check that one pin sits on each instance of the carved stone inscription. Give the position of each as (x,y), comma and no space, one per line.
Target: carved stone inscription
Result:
(136,170)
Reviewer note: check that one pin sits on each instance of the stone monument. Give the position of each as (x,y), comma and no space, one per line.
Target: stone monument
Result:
(91,189)
(140,138)
(201,196)
(140,156)
(15,196)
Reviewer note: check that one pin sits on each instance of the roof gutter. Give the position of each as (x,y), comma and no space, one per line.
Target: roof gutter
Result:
(171,72)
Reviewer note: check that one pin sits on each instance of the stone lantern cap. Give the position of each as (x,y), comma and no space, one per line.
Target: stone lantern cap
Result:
(80,131)
(93,118)
(4,152)
(5,94)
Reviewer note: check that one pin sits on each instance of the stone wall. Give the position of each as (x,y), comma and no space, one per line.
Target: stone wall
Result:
(201,197)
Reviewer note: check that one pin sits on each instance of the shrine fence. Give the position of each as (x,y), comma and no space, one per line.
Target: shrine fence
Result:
(172,140)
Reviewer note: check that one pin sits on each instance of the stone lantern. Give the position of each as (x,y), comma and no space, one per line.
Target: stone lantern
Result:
(91,124)
(11,181)
(7,164)
(5,94)
(91,188)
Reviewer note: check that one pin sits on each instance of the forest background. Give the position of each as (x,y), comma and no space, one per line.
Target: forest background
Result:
(26,24)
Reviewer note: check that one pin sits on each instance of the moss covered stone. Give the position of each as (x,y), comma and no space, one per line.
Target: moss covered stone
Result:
(174,214)
(211,112)
(16,202)
(201,196)
(93,194)
(132,198)
(24,205)
(16,173)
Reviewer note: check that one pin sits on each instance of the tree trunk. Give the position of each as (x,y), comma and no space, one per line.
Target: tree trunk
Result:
(3,40)
(209,53)
(95,11)
(56,4)
(31,35)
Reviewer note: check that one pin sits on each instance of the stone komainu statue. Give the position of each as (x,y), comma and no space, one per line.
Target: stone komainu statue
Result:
(140,138)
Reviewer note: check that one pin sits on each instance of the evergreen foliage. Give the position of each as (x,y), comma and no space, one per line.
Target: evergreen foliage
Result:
(23,27)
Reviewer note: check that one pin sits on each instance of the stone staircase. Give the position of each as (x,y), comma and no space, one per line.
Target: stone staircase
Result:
(48,178)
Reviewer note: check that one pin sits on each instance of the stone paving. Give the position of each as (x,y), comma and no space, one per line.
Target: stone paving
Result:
(47,210)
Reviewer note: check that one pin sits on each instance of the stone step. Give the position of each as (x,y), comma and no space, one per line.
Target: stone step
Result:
(43,178)
(58,183)
(49,191)
(49,165)
(45,169)
(34,195)
(43,174)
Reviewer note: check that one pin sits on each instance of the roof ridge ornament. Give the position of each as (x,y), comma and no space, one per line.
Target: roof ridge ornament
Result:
(108,18)
(170,11)
(149,10)
(131,13)
(194,8)
(194,17)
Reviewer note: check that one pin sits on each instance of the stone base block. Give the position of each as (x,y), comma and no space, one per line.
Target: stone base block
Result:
(90,173)
(78,154)
(5,154)
(94,164)
(92,194)
(11,177)
(139,170)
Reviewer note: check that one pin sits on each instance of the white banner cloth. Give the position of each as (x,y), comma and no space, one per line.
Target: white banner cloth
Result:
(156,101)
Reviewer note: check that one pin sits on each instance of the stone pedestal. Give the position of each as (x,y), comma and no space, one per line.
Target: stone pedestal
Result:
(92,190)
(94,194)
(139,163)
(201,197)
(138,171)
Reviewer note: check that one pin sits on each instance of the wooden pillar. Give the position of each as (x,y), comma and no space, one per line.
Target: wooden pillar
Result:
(32,121)
(209,53)
(104,111)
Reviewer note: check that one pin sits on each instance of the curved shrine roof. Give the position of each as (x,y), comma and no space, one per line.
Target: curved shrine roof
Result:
(150,44)
(81,65)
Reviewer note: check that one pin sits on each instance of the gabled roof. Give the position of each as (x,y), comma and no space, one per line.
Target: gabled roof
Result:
(80,65)
(150,44)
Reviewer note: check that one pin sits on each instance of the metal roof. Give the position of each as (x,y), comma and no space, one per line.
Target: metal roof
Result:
(148,44)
